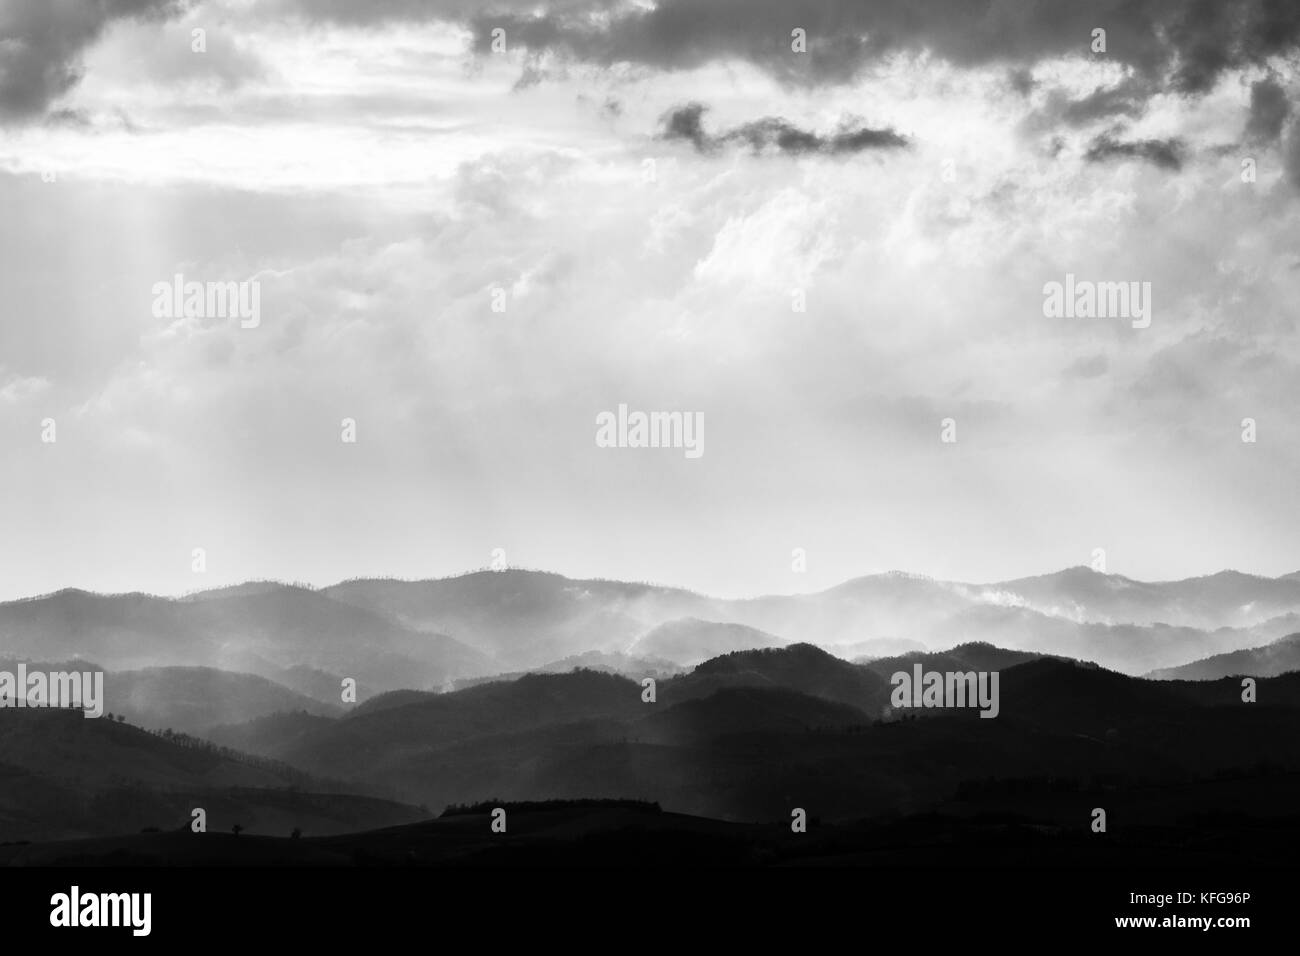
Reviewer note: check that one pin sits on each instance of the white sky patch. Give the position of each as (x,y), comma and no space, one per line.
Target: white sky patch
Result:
(19,390)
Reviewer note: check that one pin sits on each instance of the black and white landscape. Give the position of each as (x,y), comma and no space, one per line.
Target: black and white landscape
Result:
(509,688)
(466,433)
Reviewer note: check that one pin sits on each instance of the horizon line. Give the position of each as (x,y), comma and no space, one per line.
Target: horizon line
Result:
(893,572)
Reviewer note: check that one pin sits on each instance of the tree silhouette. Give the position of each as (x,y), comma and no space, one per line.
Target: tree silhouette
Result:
(236,829)
(296,834)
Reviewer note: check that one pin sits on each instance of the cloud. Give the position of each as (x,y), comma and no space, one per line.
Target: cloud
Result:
(1021,80)
(1190,385)
(382,190)
(1088,366)
(1291,155)
(1208,38)
(685,123)
(41,45)
(1127,99)
(1124,99)
(20,389)
(1164,153)
(1188,45)
(1268,111)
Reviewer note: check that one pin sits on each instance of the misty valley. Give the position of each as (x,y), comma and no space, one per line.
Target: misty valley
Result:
(507,691)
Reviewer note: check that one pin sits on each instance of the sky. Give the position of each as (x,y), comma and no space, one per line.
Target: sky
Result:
(476,226)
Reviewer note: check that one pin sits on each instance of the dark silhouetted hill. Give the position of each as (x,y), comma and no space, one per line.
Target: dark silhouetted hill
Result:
(67,775)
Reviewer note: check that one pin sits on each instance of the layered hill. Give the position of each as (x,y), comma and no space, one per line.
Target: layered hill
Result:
(67,776)
(1279,657)
(278,632)
(430,635)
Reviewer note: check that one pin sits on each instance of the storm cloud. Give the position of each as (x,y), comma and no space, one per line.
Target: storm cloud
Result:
(1269,109)
(1166,154)
(1188,45)
(686,123)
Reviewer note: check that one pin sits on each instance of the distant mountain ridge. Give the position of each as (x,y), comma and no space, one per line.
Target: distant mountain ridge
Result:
(528,617)
(426,635)
(283,634)
(1280,657)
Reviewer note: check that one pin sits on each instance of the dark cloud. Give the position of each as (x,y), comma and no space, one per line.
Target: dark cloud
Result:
(1165,153)
(1021,80)
(1185,44)
(686,123)
(1169,46)
(1125,99)
(41,42)
(853,141)
(422,11)
(1209,36)
(1268,111)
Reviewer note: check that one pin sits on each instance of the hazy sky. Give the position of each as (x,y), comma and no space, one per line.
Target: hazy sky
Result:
(648,185)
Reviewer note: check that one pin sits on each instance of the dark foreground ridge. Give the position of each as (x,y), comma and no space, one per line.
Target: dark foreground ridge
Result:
(622,833)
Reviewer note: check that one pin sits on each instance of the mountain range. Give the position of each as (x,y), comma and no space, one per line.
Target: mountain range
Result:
(747,735)
(428,635)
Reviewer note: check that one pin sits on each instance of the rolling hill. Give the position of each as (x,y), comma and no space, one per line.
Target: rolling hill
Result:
(69,776)
(192,699)
(426,635)
(1279,657)
(263,631)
